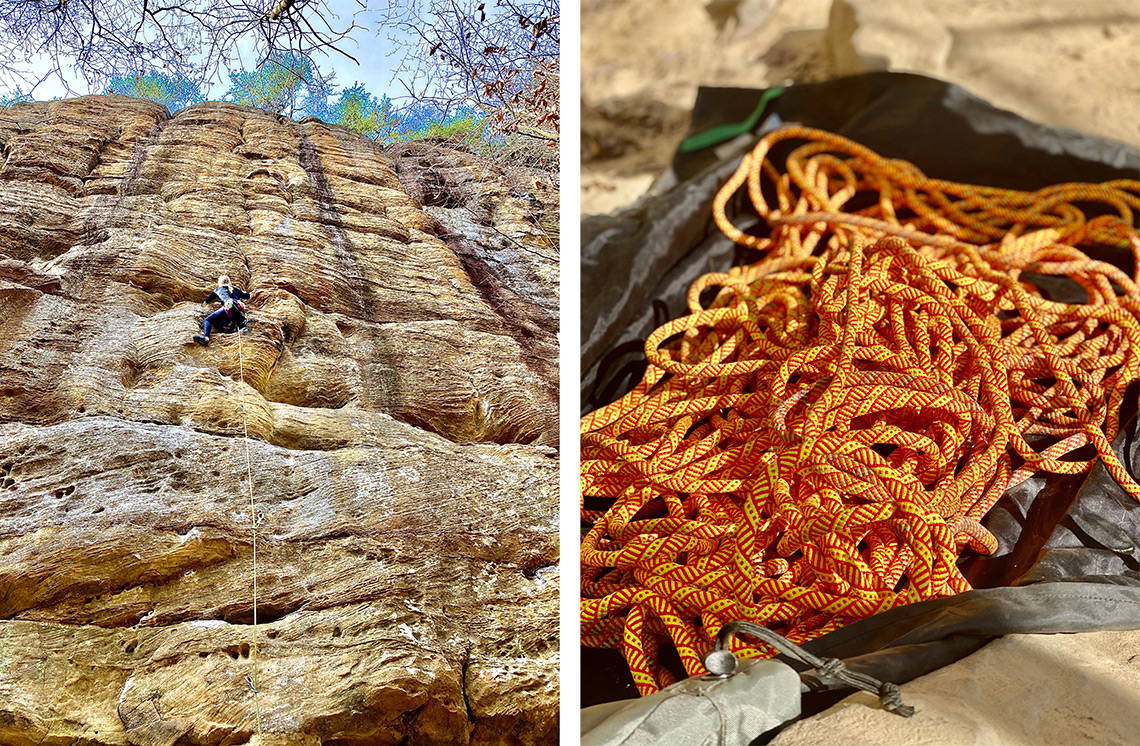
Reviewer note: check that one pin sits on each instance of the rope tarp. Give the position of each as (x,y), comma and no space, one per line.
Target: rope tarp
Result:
(818,439)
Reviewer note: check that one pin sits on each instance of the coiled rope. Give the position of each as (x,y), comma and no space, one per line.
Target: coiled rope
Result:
(253,679)
(819,438)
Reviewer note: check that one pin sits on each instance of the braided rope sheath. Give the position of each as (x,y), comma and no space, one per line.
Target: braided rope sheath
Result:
(818,439)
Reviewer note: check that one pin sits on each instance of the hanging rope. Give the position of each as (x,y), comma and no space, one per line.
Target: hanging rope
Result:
(819,438)
(253,521)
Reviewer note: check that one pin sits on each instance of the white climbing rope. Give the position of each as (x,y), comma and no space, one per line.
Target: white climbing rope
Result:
(253,525)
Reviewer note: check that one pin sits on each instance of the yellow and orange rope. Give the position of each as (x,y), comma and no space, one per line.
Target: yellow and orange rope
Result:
(819,438)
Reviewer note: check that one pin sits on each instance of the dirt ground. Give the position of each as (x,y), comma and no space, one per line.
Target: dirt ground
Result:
(1061,62)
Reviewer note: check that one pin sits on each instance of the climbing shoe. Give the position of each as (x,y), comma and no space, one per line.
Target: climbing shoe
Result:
(204,341)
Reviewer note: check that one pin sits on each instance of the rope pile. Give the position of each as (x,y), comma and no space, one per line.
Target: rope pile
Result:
(819,438)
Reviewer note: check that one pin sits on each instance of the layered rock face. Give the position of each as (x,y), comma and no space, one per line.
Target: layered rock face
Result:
(398,388)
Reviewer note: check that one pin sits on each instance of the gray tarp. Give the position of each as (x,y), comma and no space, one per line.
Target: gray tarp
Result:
(1069,556)
(700,711)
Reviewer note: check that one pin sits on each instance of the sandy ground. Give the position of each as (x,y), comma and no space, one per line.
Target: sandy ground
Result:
(1058,61)
(1022,690)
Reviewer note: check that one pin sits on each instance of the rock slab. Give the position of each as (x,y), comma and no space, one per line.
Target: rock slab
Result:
(398,390)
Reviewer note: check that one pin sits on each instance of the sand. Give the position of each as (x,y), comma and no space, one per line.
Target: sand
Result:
(1021,690)
(1061,62)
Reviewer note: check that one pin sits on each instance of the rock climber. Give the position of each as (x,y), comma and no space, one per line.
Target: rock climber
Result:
(230,317)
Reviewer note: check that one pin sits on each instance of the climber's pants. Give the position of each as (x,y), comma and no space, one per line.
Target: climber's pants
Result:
(222,321)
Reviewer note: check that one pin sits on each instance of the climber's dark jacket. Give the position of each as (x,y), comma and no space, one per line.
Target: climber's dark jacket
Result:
(222,294)
(222,320)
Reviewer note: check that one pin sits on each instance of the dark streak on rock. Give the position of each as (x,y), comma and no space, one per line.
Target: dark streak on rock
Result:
(331,220)
(522,329)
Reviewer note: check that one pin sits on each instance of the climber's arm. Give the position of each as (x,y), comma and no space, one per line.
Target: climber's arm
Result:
(240,294)
(212,298)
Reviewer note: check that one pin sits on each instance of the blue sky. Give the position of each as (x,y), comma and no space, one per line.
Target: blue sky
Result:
(371,46)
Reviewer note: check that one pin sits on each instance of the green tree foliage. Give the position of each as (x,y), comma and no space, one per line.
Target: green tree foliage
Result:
(465,125)
(381,119)
(359,110)
(15,97)
(172,91)
(293,85)
(285,84)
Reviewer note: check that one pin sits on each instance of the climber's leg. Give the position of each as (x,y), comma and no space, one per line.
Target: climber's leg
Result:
(207,325)
(204,338)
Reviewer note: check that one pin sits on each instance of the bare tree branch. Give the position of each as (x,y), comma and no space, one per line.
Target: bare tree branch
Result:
(500,56)
(196,39)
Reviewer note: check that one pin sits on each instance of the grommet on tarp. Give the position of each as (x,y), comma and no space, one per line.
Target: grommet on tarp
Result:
(831,672)
(720,663)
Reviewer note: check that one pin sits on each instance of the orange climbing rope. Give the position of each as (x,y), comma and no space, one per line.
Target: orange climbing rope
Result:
(819,438)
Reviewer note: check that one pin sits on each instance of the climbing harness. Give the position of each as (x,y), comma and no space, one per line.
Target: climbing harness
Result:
(251,680)
(819,438)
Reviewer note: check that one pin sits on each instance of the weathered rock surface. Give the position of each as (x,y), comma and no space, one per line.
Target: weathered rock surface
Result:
(399,388)
(486,219)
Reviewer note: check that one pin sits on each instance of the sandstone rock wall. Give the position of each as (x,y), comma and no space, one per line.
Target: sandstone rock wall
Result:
(399,390)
